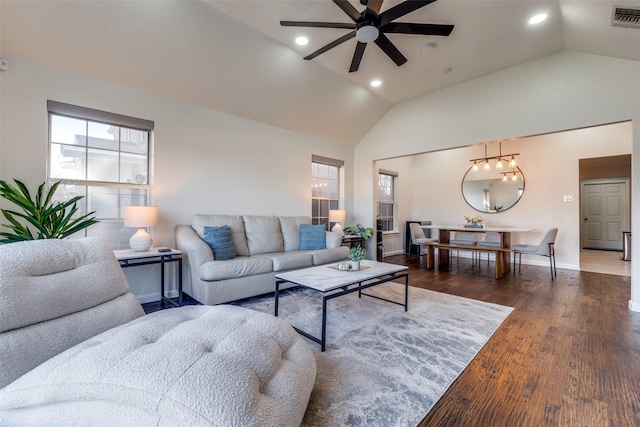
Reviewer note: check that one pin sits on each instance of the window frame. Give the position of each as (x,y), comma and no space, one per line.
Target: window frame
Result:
(320,204)
(392,201)
(117,236)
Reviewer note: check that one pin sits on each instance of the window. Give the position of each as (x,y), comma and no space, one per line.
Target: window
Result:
(386,199)
(325,188)
(104,157)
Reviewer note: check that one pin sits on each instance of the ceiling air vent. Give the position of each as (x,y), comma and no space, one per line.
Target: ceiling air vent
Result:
(625,17)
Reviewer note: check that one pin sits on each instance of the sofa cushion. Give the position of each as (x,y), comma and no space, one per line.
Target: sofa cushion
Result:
(219,238)
(312,237)
(290,227)
(263,234)
(192,366)
(235,223)
(326,256)
(283,261)
(234,268)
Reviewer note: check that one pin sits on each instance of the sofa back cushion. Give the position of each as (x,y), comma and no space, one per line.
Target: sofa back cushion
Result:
(236,226)
(290,226)
(54,294)
(42,280)
(263,234)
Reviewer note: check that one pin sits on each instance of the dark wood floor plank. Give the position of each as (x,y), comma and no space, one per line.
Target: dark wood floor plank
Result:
(568,355)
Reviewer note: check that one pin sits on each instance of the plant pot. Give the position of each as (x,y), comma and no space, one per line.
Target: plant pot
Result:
(355,265)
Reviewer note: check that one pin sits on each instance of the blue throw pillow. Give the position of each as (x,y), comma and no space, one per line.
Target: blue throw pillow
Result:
(312,237)
(219,238)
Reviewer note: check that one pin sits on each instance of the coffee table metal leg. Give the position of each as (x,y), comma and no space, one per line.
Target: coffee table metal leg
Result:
(324,323)
(277,296)
(406,292)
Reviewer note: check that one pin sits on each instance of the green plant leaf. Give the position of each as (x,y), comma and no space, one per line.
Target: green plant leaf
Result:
(49,220)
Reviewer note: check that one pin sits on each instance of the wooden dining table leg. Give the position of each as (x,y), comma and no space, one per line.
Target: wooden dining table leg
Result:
(500,264)
(431,250)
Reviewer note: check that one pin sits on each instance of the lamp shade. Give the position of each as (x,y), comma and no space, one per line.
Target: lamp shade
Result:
(140,216)
(337,216)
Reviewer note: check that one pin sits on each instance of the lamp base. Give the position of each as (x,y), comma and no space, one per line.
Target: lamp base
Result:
(141,241)
(337,228)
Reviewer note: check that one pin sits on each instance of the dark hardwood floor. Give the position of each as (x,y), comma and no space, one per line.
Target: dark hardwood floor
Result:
(568,355)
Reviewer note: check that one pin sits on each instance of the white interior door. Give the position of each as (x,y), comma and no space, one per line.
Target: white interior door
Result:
(605,212)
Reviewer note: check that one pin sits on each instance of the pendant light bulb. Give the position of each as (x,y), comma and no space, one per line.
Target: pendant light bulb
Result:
(475,166)
(514,177)
(504,178)
(512,163)
(486,165)
(499,164)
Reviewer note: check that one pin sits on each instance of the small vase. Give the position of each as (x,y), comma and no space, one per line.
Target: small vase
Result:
(355,265)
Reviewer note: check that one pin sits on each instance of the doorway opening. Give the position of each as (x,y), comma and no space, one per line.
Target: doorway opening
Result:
(605,213)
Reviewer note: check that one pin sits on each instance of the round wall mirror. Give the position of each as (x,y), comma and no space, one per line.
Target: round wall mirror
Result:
(492,191)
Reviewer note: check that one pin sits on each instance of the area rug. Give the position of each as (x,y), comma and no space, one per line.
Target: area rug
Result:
(384,366)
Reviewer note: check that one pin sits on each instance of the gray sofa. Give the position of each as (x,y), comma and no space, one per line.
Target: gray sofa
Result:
(264,246)
(77,349)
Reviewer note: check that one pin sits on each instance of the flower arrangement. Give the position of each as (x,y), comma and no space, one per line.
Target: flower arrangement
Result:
(473,219)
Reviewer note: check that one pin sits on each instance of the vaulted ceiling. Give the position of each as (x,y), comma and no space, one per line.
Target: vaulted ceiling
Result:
(235,57)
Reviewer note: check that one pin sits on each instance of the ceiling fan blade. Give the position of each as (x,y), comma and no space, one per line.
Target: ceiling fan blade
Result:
(392,52)
(374,5)
(348,9)
(317,24)
(357,57)
(422,29)
(402,9)
(331,45)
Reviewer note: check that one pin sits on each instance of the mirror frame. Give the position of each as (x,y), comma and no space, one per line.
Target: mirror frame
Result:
(490,212)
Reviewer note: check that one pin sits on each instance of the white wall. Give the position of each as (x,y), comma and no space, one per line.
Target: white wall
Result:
(564,91)
(204,161)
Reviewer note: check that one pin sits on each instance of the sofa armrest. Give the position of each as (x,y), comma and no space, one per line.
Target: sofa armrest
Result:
(333,240)
(196,249)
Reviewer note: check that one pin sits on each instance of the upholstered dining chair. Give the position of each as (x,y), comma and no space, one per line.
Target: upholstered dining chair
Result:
(466,238)
(545,248)
(491,240)
(418,237)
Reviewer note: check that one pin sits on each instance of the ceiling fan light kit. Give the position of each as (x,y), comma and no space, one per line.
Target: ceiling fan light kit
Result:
(367,32)
(370,25)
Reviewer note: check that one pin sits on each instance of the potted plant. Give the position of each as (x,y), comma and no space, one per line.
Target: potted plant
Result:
(356,254)
(364,232)
(49,219)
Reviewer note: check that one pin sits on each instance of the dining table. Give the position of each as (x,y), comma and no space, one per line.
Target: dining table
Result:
(502,251)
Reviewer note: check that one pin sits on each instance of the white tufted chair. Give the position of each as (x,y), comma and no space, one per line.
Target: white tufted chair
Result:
(196,365)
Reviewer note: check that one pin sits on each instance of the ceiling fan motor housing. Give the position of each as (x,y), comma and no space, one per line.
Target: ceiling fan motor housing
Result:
(367,29)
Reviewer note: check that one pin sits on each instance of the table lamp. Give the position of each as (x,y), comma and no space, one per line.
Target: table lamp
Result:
(337,216)
(140,216)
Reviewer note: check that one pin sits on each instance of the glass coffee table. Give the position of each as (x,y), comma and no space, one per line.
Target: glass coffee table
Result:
(334,283)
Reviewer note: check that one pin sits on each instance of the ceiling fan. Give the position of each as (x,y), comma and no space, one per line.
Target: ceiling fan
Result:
(370,26)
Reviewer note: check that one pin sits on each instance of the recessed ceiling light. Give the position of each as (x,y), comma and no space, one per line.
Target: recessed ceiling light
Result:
(375,83)
(537,18)
(301,41)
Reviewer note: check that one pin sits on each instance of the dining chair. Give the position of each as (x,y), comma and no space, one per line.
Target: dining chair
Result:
(491,240)
(418,237)
(545,248)
(466,238)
